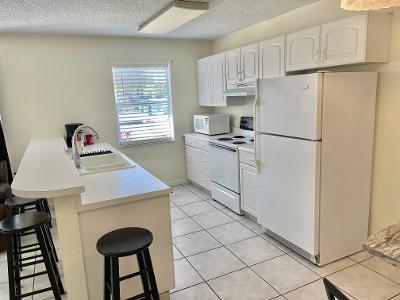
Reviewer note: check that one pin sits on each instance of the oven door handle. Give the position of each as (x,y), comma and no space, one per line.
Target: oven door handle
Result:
(222,146)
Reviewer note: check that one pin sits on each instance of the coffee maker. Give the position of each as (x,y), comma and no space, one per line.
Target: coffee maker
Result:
(70,128)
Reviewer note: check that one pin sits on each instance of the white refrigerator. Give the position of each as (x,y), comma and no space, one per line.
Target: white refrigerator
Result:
(314,140)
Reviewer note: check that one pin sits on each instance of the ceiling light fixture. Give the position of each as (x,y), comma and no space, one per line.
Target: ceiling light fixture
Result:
(368,4)
(173,16)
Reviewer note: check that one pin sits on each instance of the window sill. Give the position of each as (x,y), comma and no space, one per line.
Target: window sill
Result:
(144,143)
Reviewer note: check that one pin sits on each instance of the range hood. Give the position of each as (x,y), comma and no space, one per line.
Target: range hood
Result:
(241,89)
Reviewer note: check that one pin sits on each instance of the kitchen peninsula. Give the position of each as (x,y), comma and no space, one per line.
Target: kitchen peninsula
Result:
(88,206)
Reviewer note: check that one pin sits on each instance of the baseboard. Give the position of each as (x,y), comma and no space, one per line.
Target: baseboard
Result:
(177,182)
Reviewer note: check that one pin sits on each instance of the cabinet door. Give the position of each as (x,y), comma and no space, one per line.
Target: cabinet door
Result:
(232,61)
(302,49)
(217,68)
(272,58)
(203,78)
(249,62)
(248,182)
(344,41)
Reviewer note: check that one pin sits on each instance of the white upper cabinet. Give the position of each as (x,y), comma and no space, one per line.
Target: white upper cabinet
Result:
(358,39)
(272,58)
(344,41)
(232,61)
(302,49)
(211,80)
(249,63)
(217,70)
(203,78)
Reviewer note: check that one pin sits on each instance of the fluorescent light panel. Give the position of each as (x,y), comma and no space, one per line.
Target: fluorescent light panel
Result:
(174,16)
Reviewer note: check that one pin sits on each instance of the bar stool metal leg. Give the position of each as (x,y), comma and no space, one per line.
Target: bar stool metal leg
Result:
(107,277)
(10,263)
(48,264)
(115,278)
(150,272)
(143,274)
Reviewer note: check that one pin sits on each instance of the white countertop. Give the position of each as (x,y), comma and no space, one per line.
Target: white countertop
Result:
(46,171)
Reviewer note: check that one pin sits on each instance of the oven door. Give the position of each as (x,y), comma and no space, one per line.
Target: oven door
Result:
(224,166)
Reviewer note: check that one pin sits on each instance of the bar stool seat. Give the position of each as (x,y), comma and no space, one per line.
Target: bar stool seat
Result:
(18,202)
(24,222)
(124,242)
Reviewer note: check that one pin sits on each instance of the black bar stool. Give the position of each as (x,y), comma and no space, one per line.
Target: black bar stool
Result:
(333,292)
(18,205)
(12,227)
(125,242)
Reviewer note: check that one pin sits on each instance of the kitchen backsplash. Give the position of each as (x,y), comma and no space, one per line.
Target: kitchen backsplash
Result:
(237,111)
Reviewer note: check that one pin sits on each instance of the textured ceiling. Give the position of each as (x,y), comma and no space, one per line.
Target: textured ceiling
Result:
(122,17)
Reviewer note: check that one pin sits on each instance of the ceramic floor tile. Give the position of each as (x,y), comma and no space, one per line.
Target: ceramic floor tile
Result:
(198,292)
(184,198)
(177,213)
(362,283)
(184,226)
(252,225)
(285,273)
(185,275)
(215,263)
(197,208)
(231,233)
(312,291)
(3,256)
(177,253)
(276,243)
(179,189)
(3,272)
(360,256)
(216,204)
(205,195)
(382,267)
(171,204)
(326,269)
(212,219)
(243,284)
(26,287)
(41,282)
(195,243)
(254,250)
(232,214)
(396,298)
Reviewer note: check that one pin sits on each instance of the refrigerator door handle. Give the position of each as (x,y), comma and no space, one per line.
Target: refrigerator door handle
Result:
(255,129)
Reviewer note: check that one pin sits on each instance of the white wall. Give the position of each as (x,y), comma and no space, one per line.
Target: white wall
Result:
(49,80)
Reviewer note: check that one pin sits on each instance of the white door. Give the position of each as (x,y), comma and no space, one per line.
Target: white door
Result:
(344,41)
(302,49)
(272,58)
(232,61)
(290,106)
(248,187)
(288,189)
(217,69)
(203,78)
(249,62)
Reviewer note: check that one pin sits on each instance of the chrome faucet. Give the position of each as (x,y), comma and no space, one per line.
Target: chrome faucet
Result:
(75,150)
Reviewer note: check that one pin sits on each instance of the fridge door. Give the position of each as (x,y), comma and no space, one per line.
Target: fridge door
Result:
(288,189)
(290,106)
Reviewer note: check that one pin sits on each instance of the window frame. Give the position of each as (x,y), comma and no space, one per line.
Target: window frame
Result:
(147,141)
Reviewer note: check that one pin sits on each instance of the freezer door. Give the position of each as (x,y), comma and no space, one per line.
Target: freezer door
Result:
(288,189)
(290,106)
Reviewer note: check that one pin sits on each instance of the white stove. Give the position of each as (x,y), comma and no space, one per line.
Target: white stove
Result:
(234,140)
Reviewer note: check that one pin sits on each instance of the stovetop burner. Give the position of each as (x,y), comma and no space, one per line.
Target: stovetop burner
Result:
(225,139)
(238,137)
(238,142)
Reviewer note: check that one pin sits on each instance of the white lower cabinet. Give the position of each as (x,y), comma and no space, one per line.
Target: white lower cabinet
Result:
(248,187)
(197,162)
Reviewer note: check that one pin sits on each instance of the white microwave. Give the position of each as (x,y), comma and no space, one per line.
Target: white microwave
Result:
(211,124)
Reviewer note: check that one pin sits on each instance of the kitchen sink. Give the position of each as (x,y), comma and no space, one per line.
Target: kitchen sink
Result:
(101,159)
(104,162)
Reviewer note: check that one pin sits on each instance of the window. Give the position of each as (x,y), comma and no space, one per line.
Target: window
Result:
(143,103)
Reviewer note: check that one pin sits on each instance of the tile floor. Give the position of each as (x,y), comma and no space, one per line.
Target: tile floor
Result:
(220,255)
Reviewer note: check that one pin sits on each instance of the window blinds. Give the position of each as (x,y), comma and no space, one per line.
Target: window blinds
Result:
(143,103)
